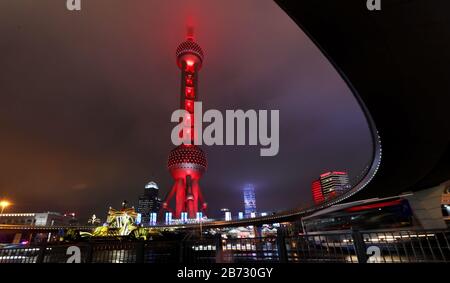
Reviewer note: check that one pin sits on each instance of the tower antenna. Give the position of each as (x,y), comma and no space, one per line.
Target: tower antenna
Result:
(190,33)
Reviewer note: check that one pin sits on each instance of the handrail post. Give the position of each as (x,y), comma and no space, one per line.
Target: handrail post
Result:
(281,246)
(140,251)
(219,248)
(182,252)
(41,254)
(89,251)
(360,246)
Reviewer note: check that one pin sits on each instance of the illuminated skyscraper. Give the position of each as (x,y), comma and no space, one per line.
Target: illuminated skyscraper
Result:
(330,185)
(149,202)
(249,200)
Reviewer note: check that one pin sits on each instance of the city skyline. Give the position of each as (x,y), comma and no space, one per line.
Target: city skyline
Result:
(77,139)
(206,135)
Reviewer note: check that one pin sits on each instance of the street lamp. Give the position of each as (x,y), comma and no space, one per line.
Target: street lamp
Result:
(4,204)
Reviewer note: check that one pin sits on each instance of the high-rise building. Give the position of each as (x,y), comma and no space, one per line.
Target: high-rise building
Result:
(334,183)
(149,202)
(187,162)
(317,192)
(330,185)
(249,200)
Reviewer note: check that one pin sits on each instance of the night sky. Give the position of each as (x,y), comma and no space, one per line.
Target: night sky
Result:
(86,99)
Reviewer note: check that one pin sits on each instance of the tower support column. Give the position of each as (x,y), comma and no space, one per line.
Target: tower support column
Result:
(180,197)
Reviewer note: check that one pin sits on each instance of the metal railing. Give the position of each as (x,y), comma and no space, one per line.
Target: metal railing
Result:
(346,247)
(408,246)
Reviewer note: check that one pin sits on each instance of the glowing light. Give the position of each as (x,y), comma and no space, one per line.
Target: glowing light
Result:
(190,63)
(189,92)
(189,106)
(189,80)
(4,204)
(318,196)
(375,205)
(151,185)
(325,174)
(184,217)
(153,218)
(190,68)
(168,217)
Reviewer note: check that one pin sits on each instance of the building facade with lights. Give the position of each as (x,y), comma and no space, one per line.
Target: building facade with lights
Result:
(329,185)
(317,193)
(149,203)
(249,200)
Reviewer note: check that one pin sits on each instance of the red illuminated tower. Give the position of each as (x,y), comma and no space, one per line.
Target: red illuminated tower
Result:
(187,163)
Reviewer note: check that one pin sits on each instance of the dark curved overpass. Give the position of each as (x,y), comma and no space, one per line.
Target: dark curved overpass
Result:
(397,62)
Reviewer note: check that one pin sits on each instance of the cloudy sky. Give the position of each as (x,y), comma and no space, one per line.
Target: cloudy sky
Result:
(86,99)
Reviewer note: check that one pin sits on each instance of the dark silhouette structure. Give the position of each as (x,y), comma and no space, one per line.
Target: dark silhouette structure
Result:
(397,63)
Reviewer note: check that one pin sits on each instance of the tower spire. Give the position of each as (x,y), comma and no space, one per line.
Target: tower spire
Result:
(190,33)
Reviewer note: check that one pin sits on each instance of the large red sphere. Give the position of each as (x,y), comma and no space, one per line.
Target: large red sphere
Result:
(187,160)
(189,48)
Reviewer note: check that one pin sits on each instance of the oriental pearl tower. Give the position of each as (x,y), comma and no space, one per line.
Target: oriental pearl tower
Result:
(187,162)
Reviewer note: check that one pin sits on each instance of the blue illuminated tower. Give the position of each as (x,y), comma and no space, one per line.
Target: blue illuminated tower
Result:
(249,200)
